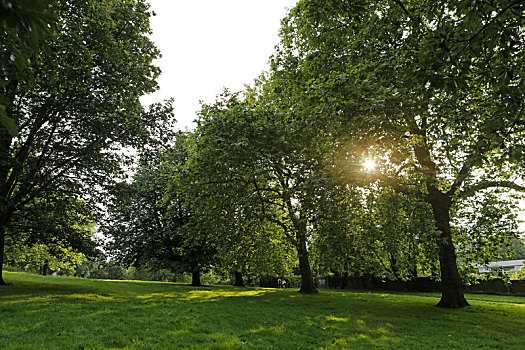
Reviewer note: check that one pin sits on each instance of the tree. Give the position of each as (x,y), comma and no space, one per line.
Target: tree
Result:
(517,250)
(484,227)
(150,223)
(265,157)
(376,232)
(247,244)
(80,107)
(135,223)
(443,81)
(53,233)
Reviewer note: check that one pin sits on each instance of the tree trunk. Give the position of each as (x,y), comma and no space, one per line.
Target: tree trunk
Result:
(2,242)
(5,144)
(412,259)
(238,279)
(44,269)
(196,278)
(393,266)
(451,284)
(307,281)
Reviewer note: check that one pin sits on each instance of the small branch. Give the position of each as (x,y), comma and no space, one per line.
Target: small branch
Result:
(403,7)
(270,217)
(462,176)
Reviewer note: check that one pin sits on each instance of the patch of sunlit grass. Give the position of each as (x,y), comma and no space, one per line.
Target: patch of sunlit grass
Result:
(336,319)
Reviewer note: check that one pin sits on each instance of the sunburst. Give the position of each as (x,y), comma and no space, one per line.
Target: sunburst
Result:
(369,165)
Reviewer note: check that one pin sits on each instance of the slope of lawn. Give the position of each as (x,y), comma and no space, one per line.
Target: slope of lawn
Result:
(65,313)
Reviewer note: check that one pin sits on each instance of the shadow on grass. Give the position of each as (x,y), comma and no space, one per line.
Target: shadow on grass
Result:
(75,313)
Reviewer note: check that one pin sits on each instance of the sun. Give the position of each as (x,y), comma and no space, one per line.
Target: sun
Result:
(369,165)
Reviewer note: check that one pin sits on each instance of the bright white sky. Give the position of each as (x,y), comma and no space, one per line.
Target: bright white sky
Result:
(207,45)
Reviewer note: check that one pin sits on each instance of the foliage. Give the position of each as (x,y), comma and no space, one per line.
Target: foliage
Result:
(440,83)
(150,223)
(246,242)
(23,25)
(485,227)
(80,107)
(384,234)
(516,250)
(40,257)
(64,219)
(254,163)
(517,274)
(101,269)
(55,233)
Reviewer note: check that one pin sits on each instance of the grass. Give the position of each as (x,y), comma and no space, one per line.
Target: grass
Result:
(65,313)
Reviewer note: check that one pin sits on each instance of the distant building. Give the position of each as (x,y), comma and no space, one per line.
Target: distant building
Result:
(506,265)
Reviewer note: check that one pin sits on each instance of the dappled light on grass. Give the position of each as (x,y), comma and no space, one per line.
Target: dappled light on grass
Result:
(361,324)
(198,295)
(92,297)
(268,330)
(39,313)
(366,341)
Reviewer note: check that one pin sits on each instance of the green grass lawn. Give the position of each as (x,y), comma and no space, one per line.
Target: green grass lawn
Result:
(65,313)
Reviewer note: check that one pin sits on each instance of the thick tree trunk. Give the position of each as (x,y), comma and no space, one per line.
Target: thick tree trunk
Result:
(2,242)
(196,278)
(5,144)
(238,279)
(307,281)
(451,284)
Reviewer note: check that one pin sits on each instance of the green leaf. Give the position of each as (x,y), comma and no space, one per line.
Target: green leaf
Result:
(8,122)
(4,100)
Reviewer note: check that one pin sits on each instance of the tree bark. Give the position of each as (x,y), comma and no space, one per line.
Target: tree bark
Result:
(5,144)
(238,279)
(451,285)
(307,281)
(2,242)
(44,269)
(196,278)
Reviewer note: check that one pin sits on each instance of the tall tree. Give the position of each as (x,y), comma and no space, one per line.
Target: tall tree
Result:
(443,80)
(81,106)
(266,156)
(151,223)
(246,242)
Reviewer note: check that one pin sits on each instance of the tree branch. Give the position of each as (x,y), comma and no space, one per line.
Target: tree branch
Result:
(491,184)
(403,7)
(485,26)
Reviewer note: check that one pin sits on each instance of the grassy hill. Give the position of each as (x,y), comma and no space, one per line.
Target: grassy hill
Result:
(66,313)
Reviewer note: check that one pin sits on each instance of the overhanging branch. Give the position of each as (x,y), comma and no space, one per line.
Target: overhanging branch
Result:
(472,190)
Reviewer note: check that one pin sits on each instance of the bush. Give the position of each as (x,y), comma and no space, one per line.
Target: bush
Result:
(517,274)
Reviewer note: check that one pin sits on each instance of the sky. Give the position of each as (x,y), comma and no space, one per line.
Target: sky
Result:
(207,45)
